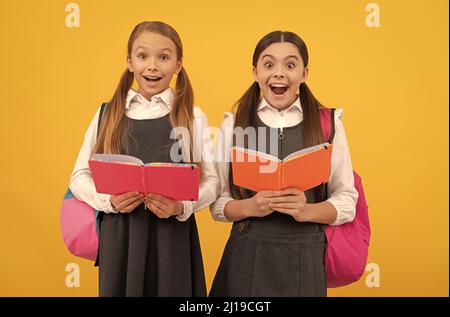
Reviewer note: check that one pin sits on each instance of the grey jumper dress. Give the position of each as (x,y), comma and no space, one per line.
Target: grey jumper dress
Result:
(275,255)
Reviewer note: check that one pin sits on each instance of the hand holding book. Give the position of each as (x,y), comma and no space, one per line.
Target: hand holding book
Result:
(292,202)
(163,207)
(127,202)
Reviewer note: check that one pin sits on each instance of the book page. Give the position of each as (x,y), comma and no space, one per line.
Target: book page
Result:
(261,155)
(164,164)
(306,151)
(117,158)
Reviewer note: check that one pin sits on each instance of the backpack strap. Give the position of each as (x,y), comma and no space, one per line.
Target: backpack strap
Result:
(99,215)
(330,140)
(102,110)
(325,127)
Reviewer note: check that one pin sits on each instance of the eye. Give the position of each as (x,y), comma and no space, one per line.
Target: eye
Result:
(268,65)
(290,65)
(164,57)
(142,56)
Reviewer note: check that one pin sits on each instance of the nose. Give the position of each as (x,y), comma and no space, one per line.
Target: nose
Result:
(278,71)
(151,64)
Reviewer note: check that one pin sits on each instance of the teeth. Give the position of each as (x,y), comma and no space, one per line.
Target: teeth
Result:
(278,85)
(152,77)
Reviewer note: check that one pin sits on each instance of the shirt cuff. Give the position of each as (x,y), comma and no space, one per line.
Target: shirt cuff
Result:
(218,207)
(187,211)
(104,203)
(342,216)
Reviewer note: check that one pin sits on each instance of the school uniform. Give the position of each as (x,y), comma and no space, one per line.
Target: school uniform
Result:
(276,255)
(139,253)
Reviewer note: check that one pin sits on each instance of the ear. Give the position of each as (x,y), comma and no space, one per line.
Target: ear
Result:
(254,73)
(179,67)
(305,74)
(129,64)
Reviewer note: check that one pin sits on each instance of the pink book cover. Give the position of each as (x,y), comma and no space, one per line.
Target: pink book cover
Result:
(115,174)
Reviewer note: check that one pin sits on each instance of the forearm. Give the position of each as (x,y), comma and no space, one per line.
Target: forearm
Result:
(323,212)
(236,210)
(207,193)
(83,188)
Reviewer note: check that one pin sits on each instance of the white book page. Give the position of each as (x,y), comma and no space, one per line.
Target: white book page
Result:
(117,158)
(306,151)
(168,164)
(260,155)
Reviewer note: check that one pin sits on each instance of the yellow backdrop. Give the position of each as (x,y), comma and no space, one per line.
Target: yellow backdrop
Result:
(392,81)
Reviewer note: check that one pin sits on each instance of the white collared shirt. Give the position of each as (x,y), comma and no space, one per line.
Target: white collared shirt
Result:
(341,191)
(280,119)
(139,108)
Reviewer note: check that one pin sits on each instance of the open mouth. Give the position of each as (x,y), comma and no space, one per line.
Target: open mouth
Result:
(278,89)
(152,79)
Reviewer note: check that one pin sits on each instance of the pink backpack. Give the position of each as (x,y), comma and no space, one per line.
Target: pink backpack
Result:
(80,223)
(80,226)
(347,244)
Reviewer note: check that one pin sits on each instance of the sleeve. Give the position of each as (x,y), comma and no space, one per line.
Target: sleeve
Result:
(209,182)
(222,146)
(81,183)
(341,189)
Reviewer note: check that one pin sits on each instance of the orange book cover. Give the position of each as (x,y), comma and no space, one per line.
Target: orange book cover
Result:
(303,169)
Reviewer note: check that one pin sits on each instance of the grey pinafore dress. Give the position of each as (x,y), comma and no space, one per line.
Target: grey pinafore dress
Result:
(275,255)
(141,254)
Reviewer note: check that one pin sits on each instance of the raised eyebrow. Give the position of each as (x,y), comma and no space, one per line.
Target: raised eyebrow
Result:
(166,49)
(161,50)
(141,46)
(292,56)
(267,55)
(287,57)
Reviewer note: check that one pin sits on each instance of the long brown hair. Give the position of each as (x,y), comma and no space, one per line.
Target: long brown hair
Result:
(246,107)
(112,136)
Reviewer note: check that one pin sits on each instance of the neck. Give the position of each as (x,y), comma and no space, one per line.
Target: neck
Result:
(287,105)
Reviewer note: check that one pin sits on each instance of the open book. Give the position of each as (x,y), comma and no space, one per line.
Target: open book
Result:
(303,169)
(116,174)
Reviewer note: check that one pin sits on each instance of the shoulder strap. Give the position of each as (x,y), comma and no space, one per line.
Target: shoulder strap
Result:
(332,125)
(102,110)
(99,215)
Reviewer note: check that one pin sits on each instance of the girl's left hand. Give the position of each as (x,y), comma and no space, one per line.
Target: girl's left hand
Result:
(292,202)
(163,207)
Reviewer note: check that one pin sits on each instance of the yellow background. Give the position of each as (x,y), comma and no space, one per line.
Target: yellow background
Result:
(392,82)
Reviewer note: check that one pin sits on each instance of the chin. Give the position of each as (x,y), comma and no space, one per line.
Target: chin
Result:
(153,91)
(278,104)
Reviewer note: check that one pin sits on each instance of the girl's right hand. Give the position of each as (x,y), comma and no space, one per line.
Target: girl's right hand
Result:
(258,205)
(126,203)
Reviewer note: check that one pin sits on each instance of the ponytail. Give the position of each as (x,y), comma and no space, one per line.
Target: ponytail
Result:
(112,136)
(182,113)
(246,112)
(311,116)
(246,107)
